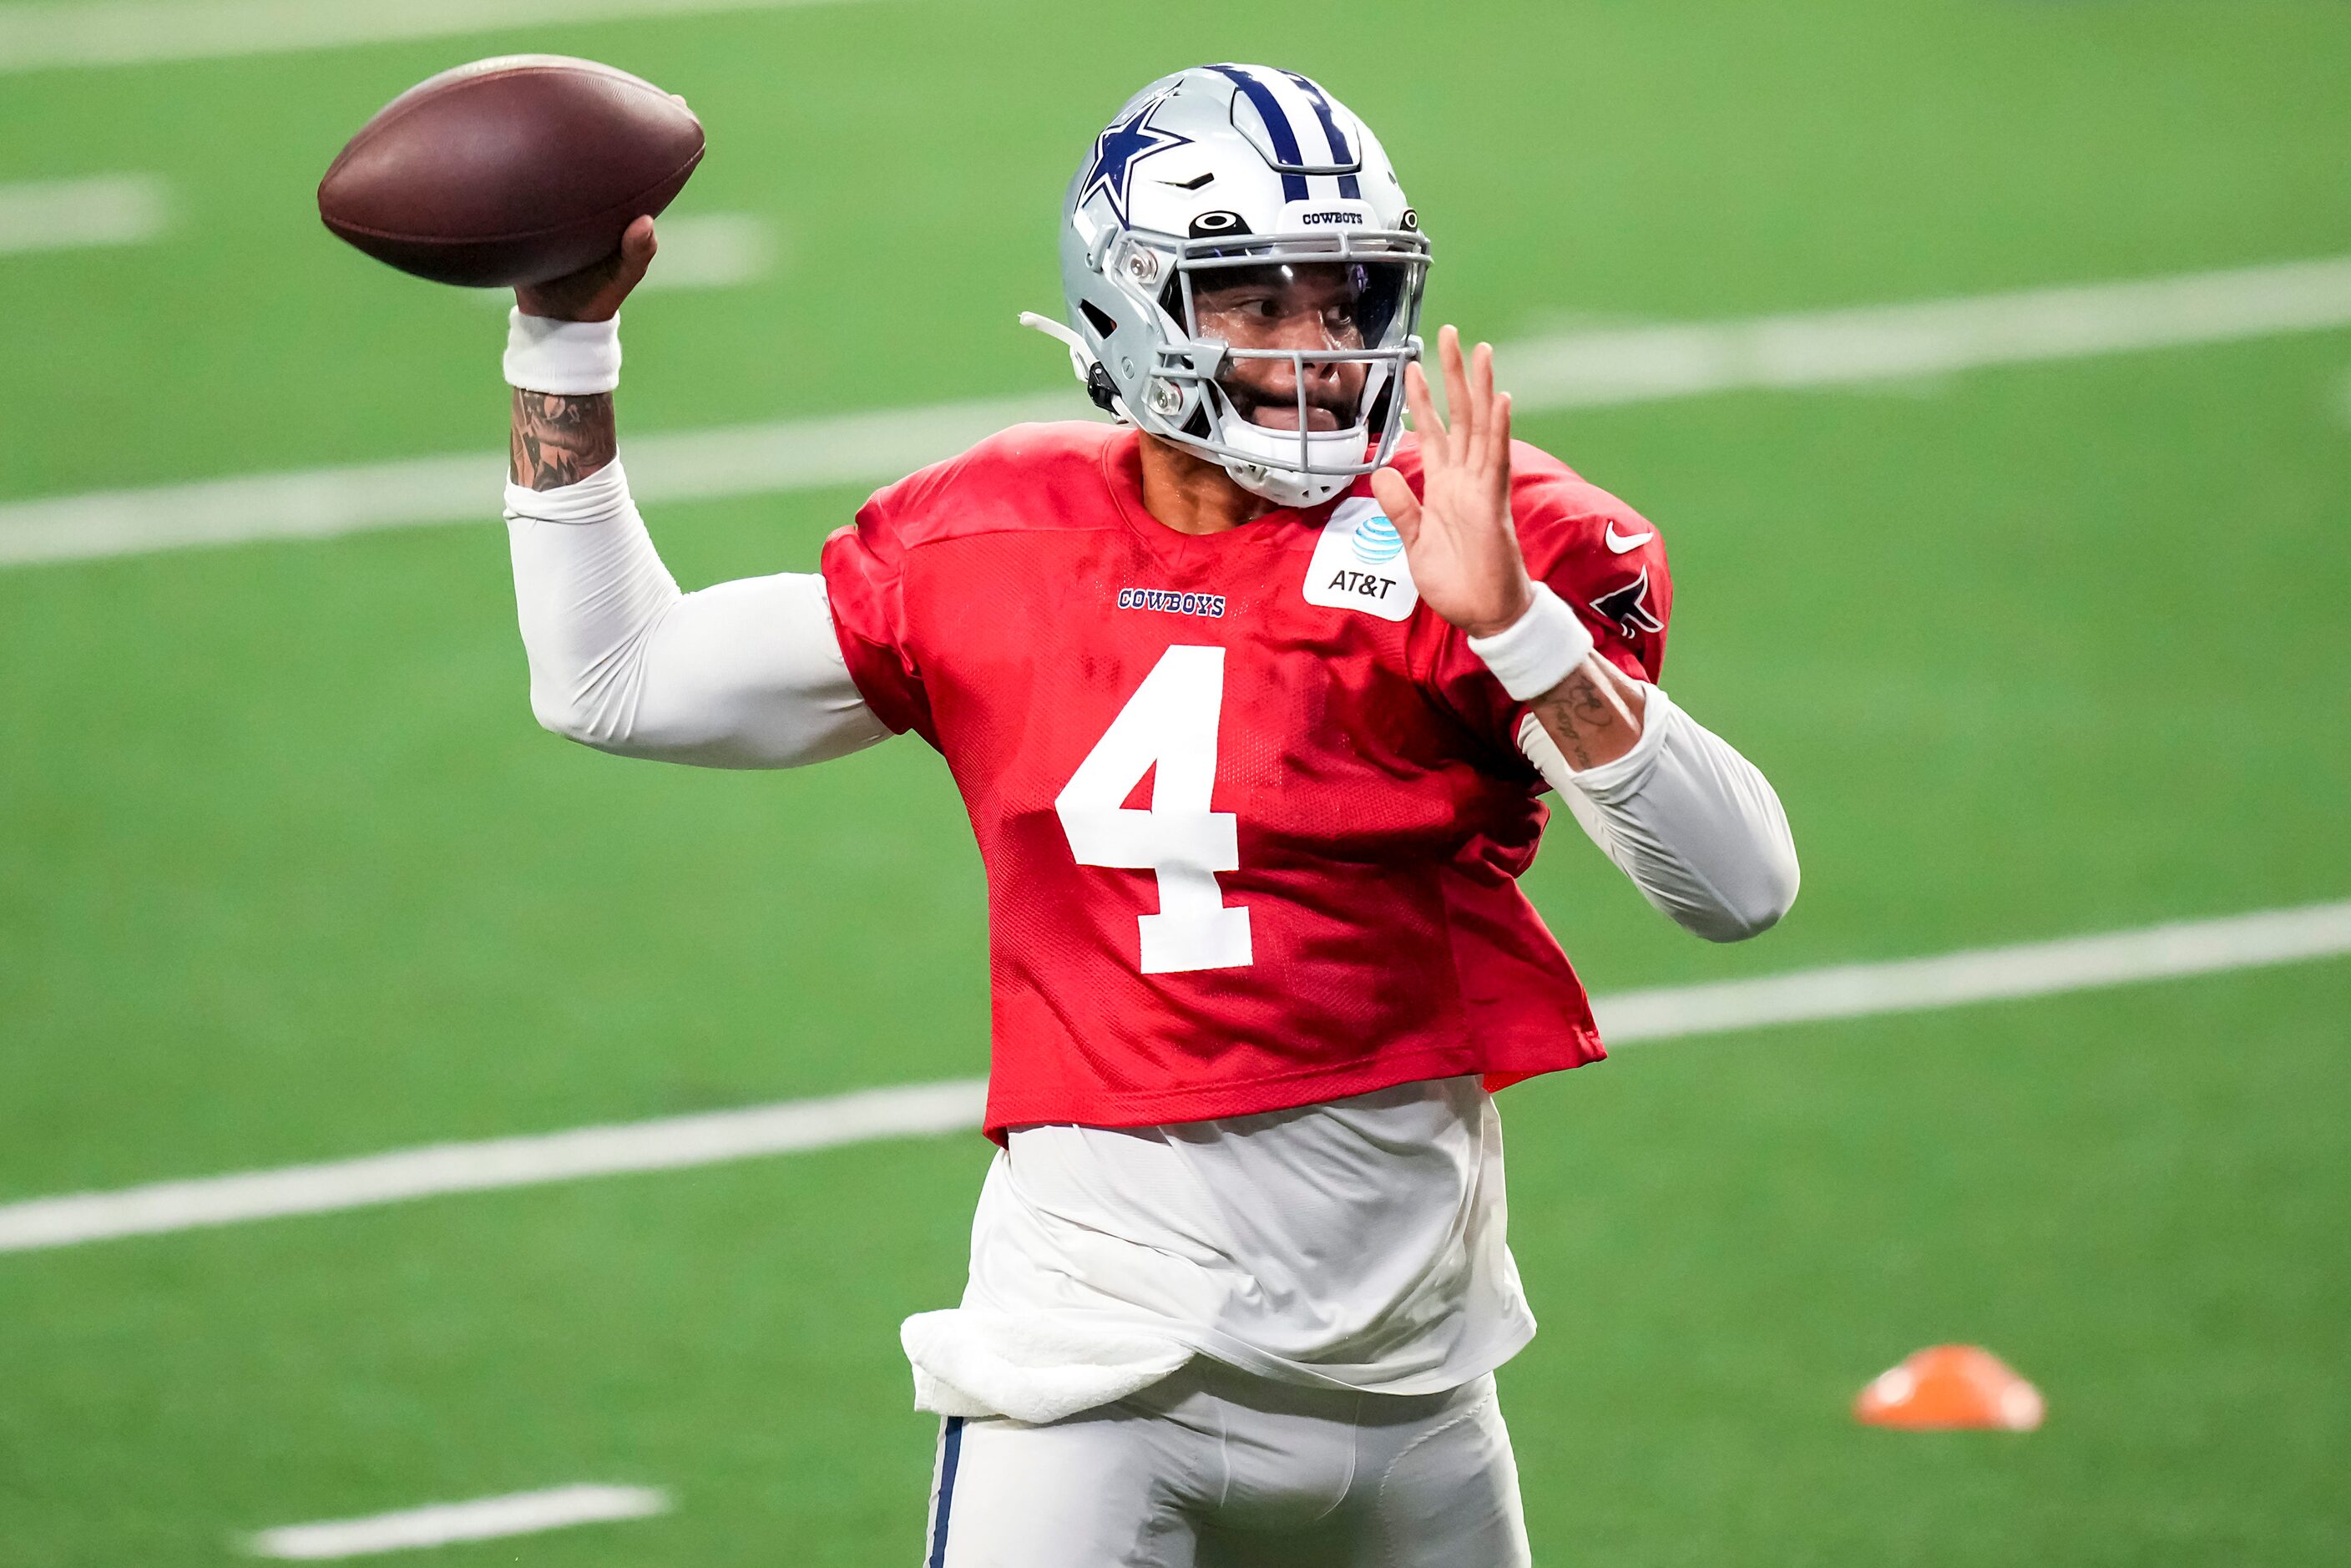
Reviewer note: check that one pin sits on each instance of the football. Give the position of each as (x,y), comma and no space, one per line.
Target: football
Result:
(511,171)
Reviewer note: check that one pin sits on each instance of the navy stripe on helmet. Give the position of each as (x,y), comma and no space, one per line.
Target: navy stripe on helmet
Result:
(1350,187)
(950,1449)
(1277,125)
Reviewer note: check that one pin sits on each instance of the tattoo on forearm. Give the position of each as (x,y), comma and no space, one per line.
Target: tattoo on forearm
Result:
(560,441)
(1578,713)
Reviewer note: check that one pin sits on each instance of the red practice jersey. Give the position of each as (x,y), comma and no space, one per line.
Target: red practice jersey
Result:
(1252,815)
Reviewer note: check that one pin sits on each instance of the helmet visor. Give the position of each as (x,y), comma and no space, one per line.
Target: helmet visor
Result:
(1299,303)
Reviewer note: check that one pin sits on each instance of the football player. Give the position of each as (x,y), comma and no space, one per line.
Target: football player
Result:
(1251,697)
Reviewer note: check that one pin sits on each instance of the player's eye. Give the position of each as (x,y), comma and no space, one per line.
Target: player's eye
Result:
(1250,306)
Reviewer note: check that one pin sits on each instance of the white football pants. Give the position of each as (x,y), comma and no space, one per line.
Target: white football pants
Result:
(1214,1468)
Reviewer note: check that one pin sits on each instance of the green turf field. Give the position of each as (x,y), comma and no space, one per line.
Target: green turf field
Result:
(287,873)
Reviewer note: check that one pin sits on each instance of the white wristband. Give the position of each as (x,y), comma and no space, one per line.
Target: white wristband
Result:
(1539,649)
(569,359)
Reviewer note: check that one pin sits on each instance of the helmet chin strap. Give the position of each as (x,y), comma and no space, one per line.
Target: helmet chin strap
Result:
(1286,487)
(1278,483)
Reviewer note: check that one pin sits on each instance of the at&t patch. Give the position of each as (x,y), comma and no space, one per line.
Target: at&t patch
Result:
(1359,563)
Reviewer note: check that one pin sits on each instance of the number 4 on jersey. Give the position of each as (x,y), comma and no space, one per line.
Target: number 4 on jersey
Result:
(1171,721)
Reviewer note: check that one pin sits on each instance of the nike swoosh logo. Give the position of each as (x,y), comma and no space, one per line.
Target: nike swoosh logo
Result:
(1619,543)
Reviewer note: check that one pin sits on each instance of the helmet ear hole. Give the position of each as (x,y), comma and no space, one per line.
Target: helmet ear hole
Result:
(1098,318)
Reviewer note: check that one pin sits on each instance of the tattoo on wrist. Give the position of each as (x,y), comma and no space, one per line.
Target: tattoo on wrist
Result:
(560,441)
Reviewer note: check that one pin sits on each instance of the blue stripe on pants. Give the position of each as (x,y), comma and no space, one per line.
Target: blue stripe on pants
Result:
(950,1449)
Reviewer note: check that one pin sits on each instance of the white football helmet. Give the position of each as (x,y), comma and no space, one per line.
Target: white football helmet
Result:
(1231,171)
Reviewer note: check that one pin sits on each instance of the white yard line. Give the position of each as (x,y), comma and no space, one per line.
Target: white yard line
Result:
(48,35)
(712,250)
(700,250)
(1984,975)
(1855,990)
(669,1144)
(76,215)
(1891,342)
(484,1519)
(741,460)
(1575,370)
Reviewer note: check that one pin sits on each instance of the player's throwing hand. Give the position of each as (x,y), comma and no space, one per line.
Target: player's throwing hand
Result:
(1458,534)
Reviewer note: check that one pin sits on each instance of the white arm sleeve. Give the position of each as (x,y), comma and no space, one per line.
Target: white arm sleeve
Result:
(1695,825)
(743,675)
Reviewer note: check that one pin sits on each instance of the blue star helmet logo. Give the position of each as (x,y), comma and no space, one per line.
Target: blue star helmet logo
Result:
(1117,149)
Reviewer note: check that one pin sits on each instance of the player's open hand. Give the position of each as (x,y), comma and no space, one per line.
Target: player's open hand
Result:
(594,292)
(1458,534)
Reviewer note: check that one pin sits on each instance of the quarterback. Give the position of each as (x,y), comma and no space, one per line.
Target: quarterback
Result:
(1252,697)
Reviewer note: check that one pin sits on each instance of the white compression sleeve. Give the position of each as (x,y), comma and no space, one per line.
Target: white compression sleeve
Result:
(1696,826)
(742,675)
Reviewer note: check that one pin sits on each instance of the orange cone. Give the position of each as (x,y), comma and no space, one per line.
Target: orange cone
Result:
(1949,1388)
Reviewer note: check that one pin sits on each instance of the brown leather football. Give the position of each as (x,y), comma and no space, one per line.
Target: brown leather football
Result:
(510,171)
